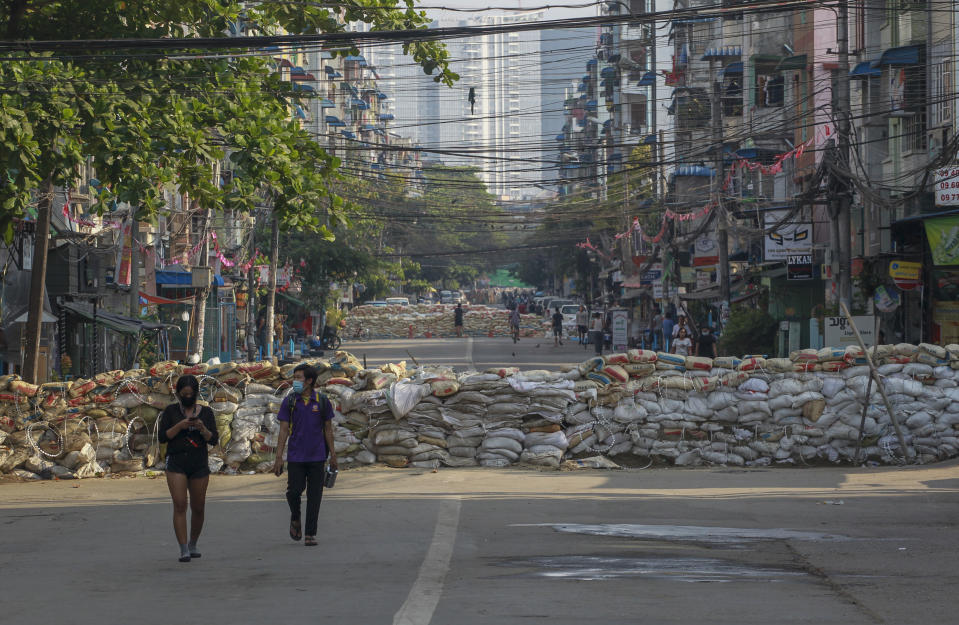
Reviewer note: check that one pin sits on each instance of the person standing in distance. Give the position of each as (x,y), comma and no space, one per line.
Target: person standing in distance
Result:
(306,421)
(582,319)
(187,429)
(706,345)
(458,320)
(557,327)
(514,321)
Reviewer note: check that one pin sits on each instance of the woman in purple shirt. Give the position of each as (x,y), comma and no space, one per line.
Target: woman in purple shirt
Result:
(306,421)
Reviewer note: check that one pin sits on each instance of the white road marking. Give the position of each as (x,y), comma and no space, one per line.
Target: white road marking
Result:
(469,352)
(425,593)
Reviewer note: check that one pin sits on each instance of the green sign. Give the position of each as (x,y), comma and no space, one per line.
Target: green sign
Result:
(943,235)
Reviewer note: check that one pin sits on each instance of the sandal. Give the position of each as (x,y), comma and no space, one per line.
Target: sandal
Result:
(295,531)
(310,541)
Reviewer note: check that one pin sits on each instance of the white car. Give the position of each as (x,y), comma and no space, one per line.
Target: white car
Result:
(398,301)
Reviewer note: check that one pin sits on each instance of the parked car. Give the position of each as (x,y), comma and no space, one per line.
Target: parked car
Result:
(569,315)
(398,301)
(446,297)
(376,303)
(458,298)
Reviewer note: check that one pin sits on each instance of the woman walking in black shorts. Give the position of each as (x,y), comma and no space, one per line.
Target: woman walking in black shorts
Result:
(187,429)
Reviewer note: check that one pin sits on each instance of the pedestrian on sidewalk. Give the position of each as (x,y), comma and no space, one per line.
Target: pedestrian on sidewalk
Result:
(514,320)
(557,327)
(306,420)
(582,321)
(458,320)
(187,429)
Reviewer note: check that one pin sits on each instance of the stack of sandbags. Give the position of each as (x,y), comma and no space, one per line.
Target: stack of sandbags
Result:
(501,447)
(436,320)
(393,444)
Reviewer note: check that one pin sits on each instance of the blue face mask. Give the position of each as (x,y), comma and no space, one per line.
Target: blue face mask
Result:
(297,386)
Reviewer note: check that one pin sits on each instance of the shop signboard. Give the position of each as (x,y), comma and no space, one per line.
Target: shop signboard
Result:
(620,328)
(943,236)
(704,280)
(706,250)
(838,332)
(947,186)
(687,275)
(654,273)
(906,275)
(799,266)
(788,238)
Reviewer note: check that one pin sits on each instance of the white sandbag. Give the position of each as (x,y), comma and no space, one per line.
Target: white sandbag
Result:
(502,442)
(754,385)
(555,439)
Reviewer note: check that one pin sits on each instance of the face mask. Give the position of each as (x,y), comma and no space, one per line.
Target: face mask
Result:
(188,402)
(297,386)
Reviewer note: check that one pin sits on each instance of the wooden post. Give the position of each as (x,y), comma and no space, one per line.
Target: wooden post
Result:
(271,289)
(875,376)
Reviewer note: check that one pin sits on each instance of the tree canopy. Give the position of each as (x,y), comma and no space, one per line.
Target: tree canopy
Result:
(148,118)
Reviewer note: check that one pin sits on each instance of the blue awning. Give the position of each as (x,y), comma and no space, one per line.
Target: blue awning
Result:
(561,137)
(329,70)
(351,88)
(381,95)
(360,104)
(368,126)
(327,103)
(386,117)
(650,140)
(356,57)
(181,277)
(337,75)
(906,55)
(723,52)
(335,121)
(608,72)
(733,68)
(297,70)
(865,70)
(581,88)
(348,134)
(591,104)
(648,79)
(300,112)
(693,170)
(298,86)
(590,63)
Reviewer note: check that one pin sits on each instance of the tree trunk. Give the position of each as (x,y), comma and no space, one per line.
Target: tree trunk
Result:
(38,277)
(271,292)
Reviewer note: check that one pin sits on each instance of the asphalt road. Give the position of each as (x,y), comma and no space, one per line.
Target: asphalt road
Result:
(472,352)
(476,546)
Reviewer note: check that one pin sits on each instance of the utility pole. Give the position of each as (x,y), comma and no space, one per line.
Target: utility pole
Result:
(204,291)
(842,197)
(38,275)
(252,282)
(717,124)
(271,288)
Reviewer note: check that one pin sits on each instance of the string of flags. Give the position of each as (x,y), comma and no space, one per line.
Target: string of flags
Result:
(776,167)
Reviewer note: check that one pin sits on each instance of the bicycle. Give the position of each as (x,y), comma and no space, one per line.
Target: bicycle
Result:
(361,334)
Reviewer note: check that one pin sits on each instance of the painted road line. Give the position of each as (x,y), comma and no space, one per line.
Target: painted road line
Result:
(469,352)
(425,593)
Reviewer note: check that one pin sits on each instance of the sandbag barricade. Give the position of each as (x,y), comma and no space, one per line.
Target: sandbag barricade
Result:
(641,406)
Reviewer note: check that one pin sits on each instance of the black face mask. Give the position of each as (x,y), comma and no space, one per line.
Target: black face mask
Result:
(188,402)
